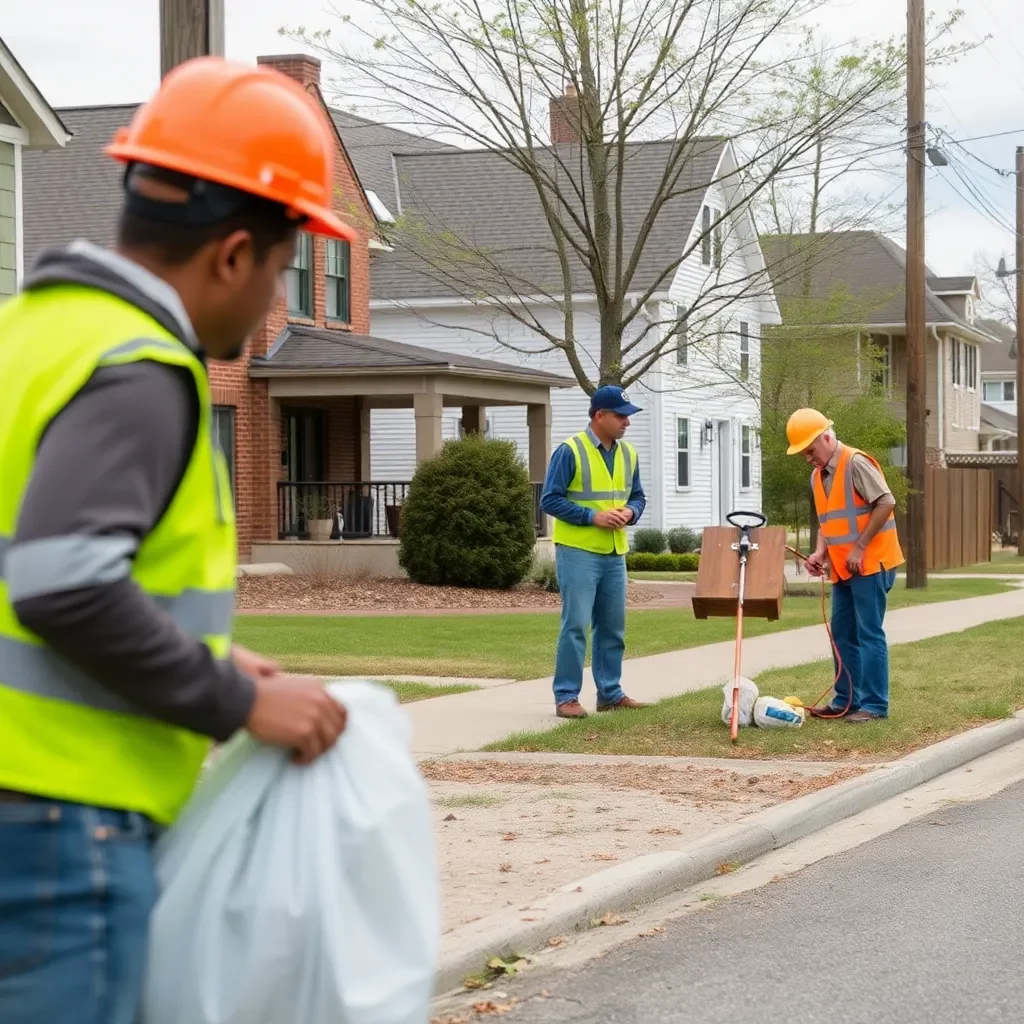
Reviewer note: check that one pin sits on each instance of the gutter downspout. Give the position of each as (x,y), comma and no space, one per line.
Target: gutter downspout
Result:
(940,381)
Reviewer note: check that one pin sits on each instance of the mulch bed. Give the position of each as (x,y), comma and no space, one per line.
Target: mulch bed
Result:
(335,594)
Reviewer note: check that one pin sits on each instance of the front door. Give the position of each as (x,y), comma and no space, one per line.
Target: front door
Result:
(306,458)
(723,471)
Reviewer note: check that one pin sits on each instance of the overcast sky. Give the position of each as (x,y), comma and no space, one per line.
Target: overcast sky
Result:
(83,52)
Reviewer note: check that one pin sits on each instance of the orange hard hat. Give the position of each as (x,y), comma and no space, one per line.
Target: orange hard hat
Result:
(252,129)
(804,427)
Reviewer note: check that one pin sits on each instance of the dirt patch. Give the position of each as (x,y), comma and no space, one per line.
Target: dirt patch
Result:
(510,832)
(307,594)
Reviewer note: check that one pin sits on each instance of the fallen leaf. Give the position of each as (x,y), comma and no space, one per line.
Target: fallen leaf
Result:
(546,860)
(607,920)
(556,941)
(451,817)
(474,982)
(509,837)
(753,780)
(505,868)
(665,830)
(651,932)
(727,868)
(493,1009)
(544,994)
(591,736)
(603,856)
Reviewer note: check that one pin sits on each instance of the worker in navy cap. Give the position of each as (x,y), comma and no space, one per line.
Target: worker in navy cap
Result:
(593,493)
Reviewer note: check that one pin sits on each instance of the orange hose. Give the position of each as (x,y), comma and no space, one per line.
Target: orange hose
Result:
(840,667)
(734,723)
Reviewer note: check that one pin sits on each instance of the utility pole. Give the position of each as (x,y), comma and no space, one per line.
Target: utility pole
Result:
(190,28)
(1020,349)
(916,541)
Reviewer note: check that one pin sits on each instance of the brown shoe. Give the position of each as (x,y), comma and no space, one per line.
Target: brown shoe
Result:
(626,704)
(570,709)
(860,717)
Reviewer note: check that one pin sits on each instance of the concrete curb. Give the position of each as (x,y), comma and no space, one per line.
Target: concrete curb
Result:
(643,879)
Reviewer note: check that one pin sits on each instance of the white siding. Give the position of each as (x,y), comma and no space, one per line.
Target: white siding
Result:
(465,331)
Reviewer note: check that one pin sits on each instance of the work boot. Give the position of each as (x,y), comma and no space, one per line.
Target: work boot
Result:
(626,704)
(570,709)
(830,712)
(860,717)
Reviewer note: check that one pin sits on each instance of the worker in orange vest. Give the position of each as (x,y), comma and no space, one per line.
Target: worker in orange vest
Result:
(859,547)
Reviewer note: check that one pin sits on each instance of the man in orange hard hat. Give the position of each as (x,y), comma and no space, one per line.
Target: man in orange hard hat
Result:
(858,545)
(117,534)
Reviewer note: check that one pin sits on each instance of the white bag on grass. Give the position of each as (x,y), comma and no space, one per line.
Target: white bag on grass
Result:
(301,895)
(772,713)
(748,694)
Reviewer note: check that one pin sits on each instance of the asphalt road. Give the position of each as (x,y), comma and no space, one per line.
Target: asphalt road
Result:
(922,926)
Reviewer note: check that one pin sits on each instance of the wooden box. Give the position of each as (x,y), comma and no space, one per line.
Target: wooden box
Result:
(718,576)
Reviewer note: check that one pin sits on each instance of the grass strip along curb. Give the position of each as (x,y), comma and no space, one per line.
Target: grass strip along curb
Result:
(651,876)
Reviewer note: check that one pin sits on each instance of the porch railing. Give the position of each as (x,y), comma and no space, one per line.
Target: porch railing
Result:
(368,509)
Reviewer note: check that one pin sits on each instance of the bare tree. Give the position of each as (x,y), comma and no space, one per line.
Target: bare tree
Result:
(998,294)
(673,79)
(855,172)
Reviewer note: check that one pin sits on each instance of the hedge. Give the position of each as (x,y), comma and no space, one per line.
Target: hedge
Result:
(641,562)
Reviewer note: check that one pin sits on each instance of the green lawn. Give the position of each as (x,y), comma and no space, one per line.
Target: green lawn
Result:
(519,646)
(1002,561)
(665,577)
(939,687)
(409,692)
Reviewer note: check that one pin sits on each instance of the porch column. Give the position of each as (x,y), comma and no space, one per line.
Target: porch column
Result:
(364,439)
(473,419)
(538,423)
(428,409)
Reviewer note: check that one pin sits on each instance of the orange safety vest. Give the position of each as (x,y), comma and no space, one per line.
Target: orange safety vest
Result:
(843,515)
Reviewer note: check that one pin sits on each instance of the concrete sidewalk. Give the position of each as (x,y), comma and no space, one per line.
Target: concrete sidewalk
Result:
(468,721)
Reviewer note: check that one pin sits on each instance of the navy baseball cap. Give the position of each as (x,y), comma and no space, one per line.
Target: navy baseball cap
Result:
(614,399)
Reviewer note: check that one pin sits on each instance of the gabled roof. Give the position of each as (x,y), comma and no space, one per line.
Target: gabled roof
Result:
(483,203)
(371,145)
(25,105)
(858,277)
(316,350)
(996,358)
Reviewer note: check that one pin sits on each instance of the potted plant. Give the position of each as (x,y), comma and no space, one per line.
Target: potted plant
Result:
(393,517)
(316,510)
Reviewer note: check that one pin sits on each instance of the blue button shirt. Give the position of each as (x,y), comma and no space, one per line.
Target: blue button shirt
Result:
(554,500)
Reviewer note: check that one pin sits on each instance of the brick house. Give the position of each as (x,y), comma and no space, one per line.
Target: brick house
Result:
(294,415)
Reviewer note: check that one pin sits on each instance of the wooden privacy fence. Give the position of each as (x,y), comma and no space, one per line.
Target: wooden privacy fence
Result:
(958,517)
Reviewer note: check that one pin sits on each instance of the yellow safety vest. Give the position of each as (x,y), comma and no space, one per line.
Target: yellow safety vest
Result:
(593,487)
(63,736)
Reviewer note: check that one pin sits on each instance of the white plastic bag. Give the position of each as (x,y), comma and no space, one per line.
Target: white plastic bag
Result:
(772,713)
(748,694)
(301,895)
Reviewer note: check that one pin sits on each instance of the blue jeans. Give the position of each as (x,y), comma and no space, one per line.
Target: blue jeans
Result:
(76,889)
(858,608)
(593,589)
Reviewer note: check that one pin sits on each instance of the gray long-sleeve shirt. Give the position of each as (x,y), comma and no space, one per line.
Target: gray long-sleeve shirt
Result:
(106,470)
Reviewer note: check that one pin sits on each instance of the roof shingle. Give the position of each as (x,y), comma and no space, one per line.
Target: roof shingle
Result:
(857,276)
(475,224)
(310,348)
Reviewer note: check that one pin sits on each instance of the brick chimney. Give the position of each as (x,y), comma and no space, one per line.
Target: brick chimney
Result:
(300,66)
(565,116)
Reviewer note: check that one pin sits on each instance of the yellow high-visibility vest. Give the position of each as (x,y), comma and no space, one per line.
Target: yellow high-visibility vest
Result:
(592,486)
(63,736)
